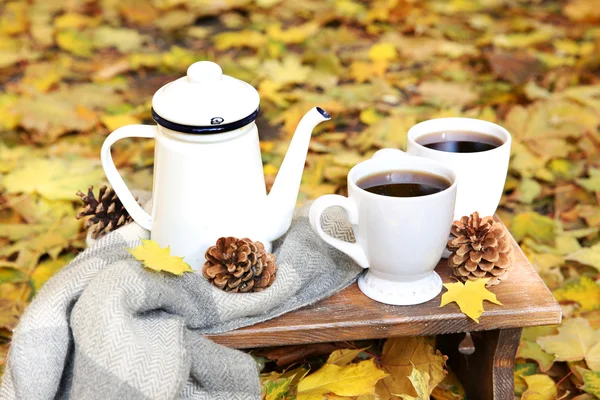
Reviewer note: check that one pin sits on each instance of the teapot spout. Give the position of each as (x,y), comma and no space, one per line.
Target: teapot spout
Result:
(281,200)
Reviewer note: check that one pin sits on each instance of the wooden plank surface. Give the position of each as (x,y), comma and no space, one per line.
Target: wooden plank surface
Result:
(349,315)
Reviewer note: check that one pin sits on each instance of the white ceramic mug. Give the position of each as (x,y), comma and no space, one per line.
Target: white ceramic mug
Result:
(481,176)
(400,239)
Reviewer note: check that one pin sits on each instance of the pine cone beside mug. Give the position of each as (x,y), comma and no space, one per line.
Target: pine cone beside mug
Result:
(239,265)
(480,249)
(107,212)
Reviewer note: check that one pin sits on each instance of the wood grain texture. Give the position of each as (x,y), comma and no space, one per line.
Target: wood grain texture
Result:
(488,372)
(349,315)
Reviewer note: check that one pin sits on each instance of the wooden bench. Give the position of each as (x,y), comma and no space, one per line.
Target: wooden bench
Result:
(349,315)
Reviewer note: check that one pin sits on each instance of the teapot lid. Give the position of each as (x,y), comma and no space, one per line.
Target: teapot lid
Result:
(205,101)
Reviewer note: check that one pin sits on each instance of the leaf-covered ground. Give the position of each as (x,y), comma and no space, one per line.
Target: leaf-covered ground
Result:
(72,71)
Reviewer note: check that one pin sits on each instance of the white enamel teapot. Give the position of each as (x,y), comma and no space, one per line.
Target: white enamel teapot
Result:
(208,173)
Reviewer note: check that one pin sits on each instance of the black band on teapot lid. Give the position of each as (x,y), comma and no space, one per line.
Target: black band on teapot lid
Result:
(215,127)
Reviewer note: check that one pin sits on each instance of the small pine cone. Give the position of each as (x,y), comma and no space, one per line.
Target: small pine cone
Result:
(480,249)
(239,265)
(107,212)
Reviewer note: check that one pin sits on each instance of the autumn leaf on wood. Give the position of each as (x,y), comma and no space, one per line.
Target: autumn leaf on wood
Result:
(158,258)
(469,297)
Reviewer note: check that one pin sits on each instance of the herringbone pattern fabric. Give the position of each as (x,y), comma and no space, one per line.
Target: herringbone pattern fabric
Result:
(106,328)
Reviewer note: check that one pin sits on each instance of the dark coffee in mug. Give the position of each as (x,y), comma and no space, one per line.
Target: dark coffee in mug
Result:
(460,141)
(404,183)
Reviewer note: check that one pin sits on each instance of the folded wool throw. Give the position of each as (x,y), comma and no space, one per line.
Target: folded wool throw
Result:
(104,327)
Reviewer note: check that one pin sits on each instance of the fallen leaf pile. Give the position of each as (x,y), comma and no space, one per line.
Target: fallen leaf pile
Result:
(71,72)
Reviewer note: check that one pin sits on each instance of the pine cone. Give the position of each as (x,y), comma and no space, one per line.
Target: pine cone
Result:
(480,249)
(107,212)
(239,265)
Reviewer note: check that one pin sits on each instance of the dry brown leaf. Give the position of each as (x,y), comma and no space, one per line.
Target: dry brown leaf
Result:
(398,357)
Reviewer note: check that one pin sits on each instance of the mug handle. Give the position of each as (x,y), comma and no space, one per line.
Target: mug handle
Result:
(131,205)
(389,152)
(330,200)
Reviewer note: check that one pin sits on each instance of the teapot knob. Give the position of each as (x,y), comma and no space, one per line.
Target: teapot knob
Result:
(204,72)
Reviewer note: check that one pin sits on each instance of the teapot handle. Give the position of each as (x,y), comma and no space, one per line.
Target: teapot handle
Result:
(131,205)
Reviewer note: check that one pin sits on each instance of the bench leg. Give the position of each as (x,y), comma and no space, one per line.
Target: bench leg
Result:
(488,372)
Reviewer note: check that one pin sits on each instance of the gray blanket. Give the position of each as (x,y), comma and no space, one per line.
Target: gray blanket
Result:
(106,328)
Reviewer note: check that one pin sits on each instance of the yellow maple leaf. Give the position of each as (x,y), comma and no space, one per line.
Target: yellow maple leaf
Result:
(576,340)
(399,356)
(349,380)
(383,52)
(159,258)
(469,297)
(539,387)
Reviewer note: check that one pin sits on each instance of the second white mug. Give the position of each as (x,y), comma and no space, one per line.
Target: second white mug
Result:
(400,239)
(481,175)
